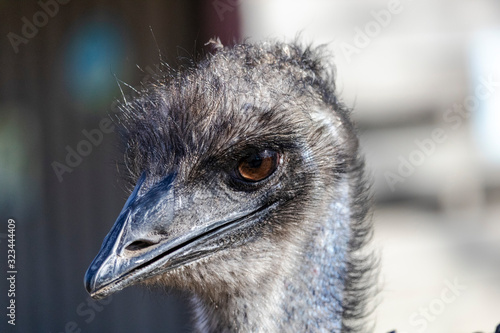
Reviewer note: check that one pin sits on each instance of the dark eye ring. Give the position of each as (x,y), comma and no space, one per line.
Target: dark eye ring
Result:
(258,166)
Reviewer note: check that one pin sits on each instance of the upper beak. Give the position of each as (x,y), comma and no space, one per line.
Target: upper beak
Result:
(156,232)
(131,241)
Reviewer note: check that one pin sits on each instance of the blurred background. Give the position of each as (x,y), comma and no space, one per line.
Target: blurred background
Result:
(423,78)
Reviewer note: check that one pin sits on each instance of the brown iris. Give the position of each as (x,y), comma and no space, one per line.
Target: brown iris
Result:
(258,166)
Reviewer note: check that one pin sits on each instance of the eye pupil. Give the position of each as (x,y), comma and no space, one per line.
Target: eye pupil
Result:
(258,166)
(255,162)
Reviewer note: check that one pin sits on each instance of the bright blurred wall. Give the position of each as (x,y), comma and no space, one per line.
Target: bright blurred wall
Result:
(423,79)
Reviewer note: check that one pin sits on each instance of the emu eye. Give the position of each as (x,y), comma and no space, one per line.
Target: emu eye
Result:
(258,166)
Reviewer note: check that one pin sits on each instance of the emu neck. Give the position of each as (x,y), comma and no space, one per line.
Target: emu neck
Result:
(306,294)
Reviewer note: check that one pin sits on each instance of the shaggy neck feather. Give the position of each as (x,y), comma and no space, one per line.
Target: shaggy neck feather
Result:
(306,295)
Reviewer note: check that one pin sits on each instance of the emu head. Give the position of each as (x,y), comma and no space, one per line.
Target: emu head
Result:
(235,162)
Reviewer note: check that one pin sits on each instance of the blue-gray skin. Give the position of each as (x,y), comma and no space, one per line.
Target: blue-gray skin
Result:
(281,254)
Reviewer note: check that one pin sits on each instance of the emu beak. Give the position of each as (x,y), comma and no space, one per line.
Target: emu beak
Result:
(156,232)
(129,234)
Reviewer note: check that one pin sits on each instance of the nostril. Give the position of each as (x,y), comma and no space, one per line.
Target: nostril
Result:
(139,245)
